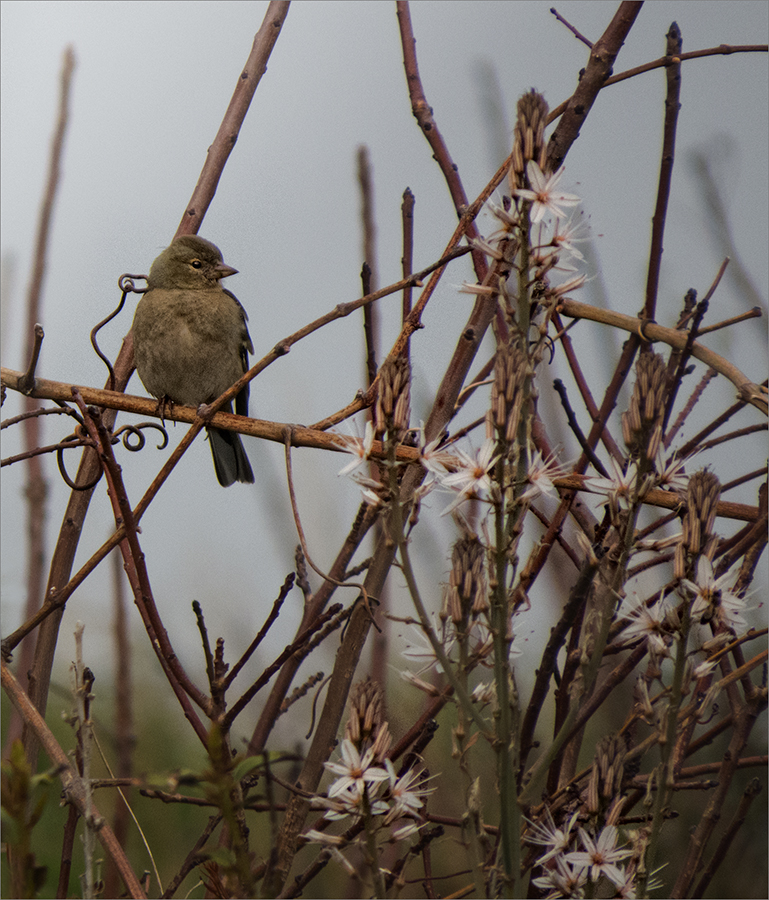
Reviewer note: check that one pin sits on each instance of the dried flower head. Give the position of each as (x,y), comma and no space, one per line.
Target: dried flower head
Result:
(642,423)
(466,594)
(702,496)
(393,404)
(511,367)
(605,781)
(528,137)
(366,725)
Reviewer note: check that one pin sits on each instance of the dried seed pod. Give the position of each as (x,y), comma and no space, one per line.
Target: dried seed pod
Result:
(528,138)
(702,497)
(366,725)
(466,594)
(511,367)
(642,423)
(393,404)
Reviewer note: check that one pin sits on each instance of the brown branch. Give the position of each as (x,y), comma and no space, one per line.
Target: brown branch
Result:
(224,142)
(136,570)
(672,106)
(36,489)
(749,391)
(721,50)
(423,113)
(597,71)
(572,29)
(407,260)
(369,274)
(704,830)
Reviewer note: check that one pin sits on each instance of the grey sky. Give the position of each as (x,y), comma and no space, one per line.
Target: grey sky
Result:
(150,87)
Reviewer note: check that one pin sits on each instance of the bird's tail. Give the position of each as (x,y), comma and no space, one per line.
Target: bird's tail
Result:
(230,460)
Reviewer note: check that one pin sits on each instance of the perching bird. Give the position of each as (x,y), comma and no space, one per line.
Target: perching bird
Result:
(191,341)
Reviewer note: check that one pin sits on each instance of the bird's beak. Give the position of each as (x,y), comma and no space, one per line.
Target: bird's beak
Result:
(223,271)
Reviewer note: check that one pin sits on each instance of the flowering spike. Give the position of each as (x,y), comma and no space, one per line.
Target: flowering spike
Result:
(528,137)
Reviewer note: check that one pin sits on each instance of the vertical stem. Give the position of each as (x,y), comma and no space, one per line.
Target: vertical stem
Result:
(667,742)
(506,740)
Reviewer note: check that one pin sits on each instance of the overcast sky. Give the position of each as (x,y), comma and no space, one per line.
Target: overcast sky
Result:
(151,85)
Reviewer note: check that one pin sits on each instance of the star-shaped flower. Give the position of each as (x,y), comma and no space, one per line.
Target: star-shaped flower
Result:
(714,595)
(355,772)
(600,856)
(647,623)
(471,479)
(360,449)
(619,488)
(543,194)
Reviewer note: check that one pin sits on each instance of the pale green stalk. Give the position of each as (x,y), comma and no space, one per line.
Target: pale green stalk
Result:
(666,779)
(368,823)
(460,692)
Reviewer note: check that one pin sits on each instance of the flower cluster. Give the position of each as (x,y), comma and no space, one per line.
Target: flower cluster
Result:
(367,787)
(578,863)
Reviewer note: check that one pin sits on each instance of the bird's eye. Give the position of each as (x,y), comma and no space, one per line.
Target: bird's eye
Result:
(196,264)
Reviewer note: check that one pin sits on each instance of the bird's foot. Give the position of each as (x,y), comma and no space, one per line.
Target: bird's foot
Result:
(165,403)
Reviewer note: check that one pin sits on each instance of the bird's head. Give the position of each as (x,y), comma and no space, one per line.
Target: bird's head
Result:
(190,262)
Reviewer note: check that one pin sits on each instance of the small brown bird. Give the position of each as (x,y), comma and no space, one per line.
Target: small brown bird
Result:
(191,341)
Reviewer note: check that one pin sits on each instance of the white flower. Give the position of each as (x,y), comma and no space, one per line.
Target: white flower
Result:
(670,473)
(508,219)
(485,290)
(321,837)
(349,803)
(435,460)
(600,857)
(714,595)
(619,488)
(543,195)
(647,623)
(360,449)
(373,492)
(565,236)
(487,248)
(573,284)
(354,772)
(484,692)
(704,668)
(422,650)
(562,880)
(406,793)
(408,830)
(471,478)
(540,475)
(556,840)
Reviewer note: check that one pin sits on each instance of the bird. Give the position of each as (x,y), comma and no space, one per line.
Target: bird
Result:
(191,341)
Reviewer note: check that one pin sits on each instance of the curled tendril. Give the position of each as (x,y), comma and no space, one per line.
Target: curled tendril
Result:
(126,285)
(551,344)
(135,432)
(132,437)
(79,438)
